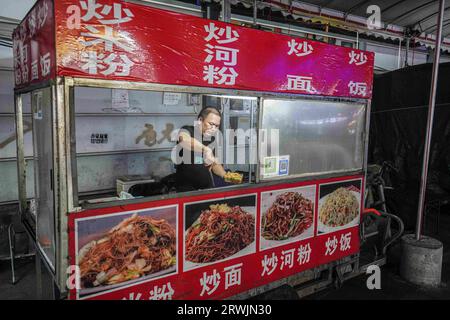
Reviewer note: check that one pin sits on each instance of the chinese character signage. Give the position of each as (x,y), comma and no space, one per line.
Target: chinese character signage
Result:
(34,46)
(213,246)
(118,40)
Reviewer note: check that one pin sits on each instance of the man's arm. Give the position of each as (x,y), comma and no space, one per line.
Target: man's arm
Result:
(218,170)
(189,143)
(192,144)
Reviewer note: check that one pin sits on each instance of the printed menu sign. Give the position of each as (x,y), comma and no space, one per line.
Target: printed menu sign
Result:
(214,246)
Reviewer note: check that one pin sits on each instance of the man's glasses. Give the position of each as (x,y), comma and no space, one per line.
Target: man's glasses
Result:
(212,124)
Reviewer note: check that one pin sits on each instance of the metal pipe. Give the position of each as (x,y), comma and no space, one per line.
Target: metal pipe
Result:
(426,149)
(408,39)
(177,6)
(255,13)
(250,147)
(366,136)
(18,256)
(283,26)
(357,40)
(20,154)
(38,275)
(12,251)
(226,10)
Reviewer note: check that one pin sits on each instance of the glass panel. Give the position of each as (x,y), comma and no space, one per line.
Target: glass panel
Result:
(6,91)
(26,103)
(121,101)
(238,116)
(127,133)
(8,181)
(132,133)
(99,172)
(318,136)
(43,168)
(8,148)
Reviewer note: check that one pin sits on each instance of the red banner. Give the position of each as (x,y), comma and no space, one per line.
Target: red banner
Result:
(264,258)
(115,40)
(34,46)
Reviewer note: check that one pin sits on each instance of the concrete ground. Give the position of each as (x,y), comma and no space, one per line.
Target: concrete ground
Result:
(25,288)
(392,286)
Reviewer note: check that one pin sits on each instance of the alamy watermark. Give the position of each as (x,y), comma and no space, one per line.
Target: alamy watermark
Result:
(73,278)
(374,19)
(374,280)
(231,146)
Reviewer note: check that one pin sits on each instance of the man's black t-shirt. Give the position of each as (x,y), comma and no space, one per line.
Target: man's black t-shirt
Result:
(194,175)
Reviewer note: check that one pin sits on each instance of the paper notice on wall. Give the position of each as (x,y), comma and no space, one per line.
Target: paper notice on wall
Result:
(275,166)
(194,99)
(269,167)
(171,98)
(283,165)
(120,101)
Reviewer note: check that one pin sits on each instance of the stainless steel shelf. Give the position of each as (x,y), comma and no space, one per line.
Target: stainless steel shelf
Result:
(14,159)
(7,114)
(107,153)
(135,114)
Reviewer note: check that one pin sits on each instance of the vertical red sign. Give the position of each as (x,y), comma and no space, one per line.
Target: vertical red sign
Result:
(34,46)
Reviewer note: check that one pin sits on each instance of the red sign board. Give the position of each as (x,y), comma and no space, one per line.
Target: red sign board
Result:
(116,40)
(34,46)
(201,265)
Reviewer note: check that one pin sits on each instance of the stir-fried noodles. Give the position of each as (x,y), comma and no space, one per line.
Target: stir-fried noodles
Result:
(289,216)
(219,233)
(138,246)
(340,208)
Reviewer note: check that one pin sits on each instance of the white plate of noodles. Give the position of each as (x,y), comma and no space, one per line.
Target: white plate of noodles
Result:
(339,210)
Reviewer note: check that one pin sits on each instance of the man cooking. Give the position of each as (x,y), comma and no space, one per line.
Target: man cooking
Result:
(196,172)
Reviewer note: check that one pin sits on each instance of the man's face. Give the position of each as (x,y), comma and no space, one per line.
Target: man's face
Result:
(210,124)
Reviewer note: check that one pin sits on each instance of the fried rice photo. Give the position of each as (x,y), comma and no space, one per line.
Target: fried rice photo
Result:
(136,247)
(340,208)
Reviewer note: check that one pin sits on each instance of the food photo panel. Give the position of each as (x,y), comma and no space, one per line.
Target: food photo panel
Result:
(219,230)
(339,206)
(116,250)
(287,216)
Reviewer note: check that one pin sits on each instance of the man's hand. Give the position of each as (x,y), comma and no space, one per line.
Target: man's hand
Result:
(208,156)
(233,177)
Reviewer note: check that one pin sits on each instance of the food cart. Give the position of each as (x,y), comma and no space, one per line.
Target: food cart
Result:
(106,84)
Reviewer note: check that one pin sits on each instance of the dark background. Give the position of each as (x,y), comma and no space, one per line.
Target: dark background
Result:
(329,188)
(193,211)
(397,134)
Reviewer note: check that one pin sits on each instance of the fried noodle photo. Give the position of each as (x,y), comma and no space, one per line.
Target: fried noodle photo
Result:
(219,233)
(289,216)
(137,246)
(340,208)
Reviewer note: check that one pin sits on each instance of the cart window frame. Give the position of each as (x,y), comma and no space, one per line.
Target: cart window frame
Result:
(39,109)
(75,201)
(362,139)
(70,83)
